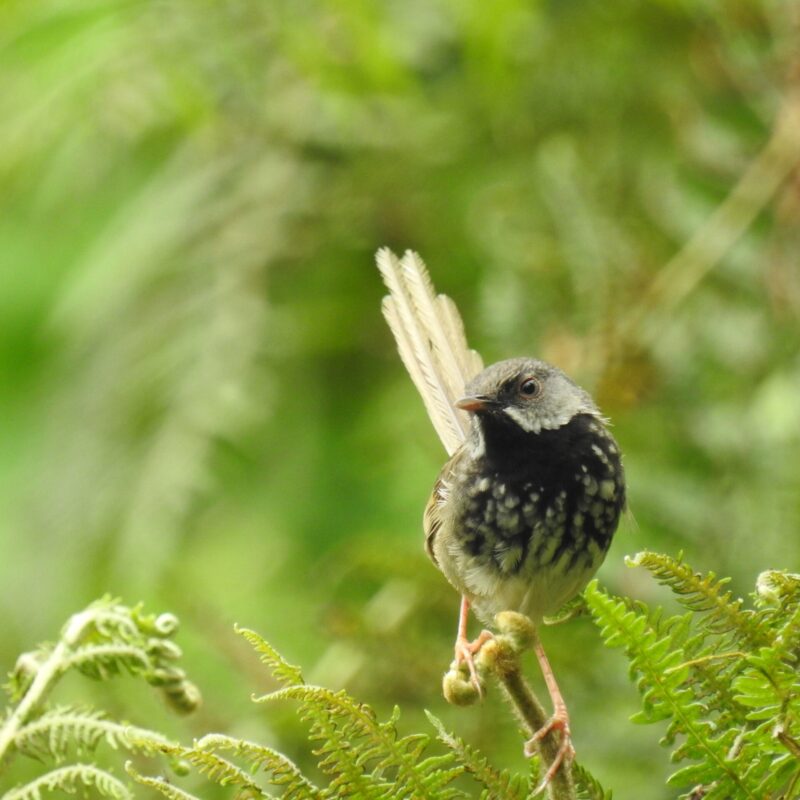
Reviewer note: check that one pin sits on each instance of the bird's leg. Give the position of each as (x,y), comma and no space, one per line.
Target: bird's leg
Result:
(465,649)
(558,722)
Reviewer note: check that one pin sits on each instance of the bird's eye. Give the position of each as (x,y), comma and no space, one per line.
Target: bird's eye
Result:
(529,387)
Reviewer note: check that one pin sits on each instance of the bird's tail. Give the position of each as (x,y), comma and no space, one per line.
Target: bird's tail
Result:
(430,337)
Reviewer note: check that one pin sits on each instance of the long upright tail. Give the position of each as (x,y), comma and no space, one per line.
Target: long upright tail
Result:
(430,337)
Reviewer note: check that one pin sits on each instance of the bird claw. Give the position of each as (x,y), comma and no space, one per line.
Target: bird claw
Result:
(465,654)
(566,752)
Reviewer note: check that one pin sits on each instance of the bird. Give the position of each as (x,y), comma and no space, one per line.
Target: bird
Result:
(523,512)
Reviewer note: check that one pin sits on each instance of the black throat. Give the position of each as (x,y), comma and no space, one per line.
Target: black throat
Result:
(544,457)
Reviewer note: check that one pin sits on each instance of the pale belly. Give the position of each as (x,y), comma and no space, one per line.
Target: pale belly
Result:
(535,589)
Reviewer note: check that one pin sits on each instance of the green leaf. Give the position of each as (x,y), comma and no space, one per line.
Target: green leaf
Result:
(282,670)
(70,779)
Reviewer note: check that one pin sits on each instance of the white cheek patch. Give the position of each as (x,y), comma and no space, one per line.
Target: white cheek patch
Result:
(529,425)
(548,423)
(548,415)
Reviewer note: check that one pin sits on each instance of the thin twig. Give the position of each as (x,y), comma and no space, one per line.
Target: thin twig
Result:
(500,657)
(531,712)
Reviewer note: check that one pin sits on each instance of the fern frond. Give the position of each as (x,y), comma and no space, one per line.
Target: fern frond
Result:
(113,620)
(340,760)
(103,640)
(587,786)
(341,724)
(281,770)
(786,639)
(70,779)
(440,774)
(573,608)
(712,683)
(56,731)
(710,672)
(777,587)
(662,675)
(214,767)
(161,625)
(161,785)
(281,670)
(103,661)
(495,783)
(769,688)
(704,595)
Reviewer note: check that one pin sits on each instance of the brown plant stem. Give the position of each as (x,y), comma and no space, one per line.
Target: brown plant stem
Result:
(501,657)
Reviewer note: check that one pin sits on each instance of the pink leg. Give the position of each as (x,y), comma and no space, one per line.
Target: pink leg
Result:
(465,650)
(558,722)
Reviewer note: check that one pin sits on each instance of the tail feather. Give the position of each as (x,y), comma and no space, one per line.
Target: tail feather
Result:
(431,340)
(469,361)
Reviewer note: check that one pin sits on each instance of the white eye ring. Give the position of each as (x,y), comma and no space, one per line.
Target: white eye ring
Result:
(529,387)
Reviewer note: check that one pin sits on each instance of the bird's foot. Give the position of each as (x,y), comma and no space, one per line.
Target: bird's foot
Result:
(465,654)
(566,752)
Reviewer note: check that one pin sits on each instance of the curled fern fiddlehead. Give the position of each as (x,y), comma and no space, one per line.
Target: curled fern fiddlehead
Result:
(104,640)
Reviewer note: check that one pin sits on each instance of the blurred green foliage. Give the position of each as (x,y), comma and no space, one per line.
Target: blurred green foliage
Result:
(201,406)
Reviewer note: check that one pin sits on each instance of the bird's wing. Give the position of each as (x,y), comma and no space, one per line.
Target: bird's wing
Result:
(430,337)
(434,518)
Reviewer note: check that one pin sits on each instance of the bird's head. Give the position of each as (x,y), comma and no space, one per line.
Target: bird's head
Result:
(526,394)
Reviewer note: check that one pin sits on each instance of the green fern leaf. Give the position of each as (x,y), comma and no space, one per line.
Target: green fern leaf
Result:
(282,771)
(58,730)
(712,684)
(341,723)
(103,661)
(214,767)
(587,786)
(495,784)
(161,785)
(282,670)
(339,759)
(703,594)
(70,779)
(661,675)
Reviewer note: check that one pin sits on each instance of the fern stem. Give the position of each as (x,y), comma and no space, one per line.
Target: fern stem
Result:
(46,675)
(705,659)
(532,713)
(525,702)
(502,657)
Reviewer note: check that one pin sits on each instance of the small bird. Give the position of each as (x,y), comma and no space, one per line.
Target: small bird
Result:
(523,513)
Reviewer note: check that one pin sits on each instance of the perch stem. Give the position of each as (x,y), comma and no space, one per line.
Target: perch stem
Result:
(501,656)
(532,713)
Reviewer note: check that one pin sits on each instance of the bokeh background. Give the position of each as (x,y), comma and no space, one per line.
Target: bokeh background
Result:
(201,406)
